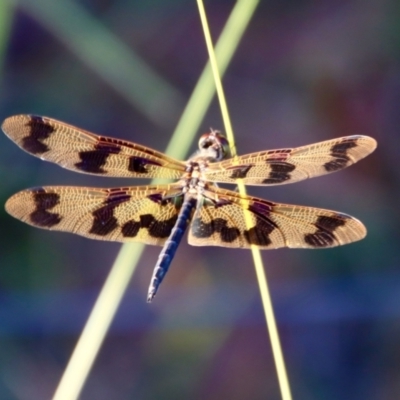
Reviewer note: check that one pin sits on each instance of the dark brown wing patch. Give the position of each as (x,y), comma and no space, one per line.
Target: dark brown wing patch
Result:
(104,220)
(325,233)
(217,226)
(93,161)
(139,164)
(44,202)
(339,154)
(279,172)
(38,131)
(240,172)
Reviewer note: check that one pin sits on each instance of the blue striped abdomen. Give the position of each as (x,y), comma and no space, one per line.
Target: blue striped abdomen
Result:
(170,246)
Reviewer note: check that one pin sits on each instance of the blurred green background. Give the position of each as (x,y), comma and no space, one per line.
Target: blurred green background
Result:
(304,72)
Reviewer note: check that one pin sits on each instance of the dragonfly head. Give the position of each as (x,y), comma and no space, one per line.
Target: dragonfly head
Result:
(214,145)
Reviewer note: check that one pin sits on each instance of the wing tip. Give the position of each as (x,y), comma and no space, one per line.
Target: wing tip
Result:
(6,126)
(11,126)
(370,144)
(354,230)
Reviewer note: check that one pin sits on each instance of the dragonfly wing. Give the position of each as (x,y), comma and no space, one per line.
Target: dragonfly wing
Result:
(78,150)
(277,167)
(221,221)
(138,213)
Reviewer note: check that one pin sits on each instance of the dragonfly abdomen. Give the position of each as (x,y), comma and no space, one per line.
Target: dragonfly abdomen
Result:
(170,246)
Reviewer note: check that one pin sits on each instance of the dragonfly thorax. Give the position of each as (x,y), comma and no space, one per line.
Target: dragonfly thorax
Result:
(193,181)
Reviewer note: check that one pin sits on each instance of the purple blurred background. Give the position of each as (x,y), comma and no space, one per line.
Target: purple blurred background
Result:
(304,72)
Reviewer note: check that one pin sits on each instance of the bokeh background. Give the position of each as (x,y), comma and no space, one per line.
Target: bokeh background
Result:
(305,71)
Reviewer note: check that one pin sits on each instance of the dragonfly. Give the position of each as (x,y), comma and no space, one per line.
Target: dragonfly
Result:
(160,214)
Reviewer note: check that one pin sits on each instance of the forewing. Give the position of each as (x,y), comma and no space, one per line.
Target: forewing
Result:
(277,167)
(138,213)
(81,151)
(221,221)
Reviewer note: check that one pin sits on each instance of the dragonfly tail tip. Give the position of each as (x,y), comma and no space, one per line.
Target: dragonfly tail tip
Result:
(150,297)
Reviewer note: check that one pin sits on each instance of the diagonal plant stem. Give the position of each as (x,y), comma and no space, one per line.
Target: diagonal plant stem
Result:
(114,288)
(98,48)
(261,276)
(6,14)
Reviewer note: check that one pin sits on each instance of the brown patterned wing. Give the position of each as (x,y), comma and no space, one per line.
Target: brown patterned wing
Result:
(81,151)
(277,167)
(221,222)
(118,214)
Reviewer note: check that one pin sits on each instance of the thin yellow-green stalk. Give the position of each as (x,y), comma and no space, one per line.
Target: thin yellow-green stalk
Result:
(261,276)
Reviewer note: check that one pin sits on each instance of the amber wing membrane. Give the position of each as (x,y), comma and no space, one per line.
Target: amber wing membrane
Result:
(277,167)
(221,221)
(81,151)
(138,213)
